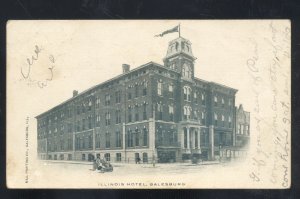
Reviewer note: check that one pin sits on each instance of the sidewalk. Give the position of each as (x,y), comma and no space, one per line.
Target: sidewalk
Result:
(119,164)
(67,162)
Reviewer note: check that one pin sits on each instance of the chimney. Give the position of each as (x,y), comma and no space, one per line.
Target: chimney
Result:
(75,93)
(126,68)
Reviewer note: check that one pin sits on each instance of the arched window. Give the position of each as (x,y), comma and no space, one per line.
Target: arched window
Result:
(187,93)
(186,71)
(187,112)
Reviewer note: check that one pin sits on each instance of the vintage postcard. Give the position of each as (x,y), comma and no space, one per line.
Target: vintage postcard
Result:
(149,104)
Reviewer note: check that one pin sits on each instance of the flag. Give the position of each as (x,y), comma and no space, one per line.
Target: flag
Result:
(175,29)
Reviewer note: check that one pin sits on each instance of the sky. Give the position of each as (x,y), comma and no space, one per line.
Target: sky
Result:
(87,54)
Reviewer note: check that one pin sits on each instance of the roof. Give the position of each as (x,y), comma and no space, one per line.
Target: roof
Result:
(178,46)
(98,85)
(208,82)
(117,77)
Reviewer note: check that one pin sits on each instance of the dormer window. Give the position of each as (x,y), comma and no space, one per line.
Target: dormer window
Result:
(182,45)
(176,46)
(188,48)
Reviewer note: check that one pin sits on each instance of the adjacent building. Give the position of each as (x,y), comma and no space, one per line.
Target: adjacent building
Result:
(155,112)
(242,131)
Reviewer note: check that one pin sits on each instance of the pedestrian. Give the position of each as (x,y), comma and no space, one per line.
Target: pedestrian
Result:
(94,164)
(98,161)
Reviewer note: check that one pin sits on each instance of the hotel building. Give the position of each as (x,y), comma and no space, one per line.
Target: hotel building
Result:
(153,112)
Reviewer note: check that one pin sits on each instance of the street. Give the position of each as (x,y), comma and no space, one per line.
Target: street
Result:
(57,174)
(134,169)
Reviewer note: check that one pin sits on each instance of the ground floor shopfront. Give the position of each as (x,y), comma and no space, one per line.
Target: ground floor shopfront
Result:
(192,142)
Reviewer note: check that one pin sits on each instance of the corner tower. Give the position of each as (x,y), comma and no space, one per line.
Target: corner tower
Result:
(180,57)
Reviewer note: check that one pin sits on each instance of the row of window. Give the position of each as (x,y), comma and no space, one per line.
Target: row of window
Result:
(86,123)
(243,129)
(187,91)
(83,108)
(187,114)
(58,116)
(58,157)
(222,122)
(160,88)
(61,145)
(118,139)
(130,95)
(88,157)
(133,115)
(222,102)
(160,112)
(84,142)
(119,158)
(166,138)
(134,138)
(136,93)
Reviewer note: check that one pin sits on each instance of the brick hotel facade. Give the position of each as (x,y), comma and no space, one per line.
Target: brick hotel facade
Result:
(154,112)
